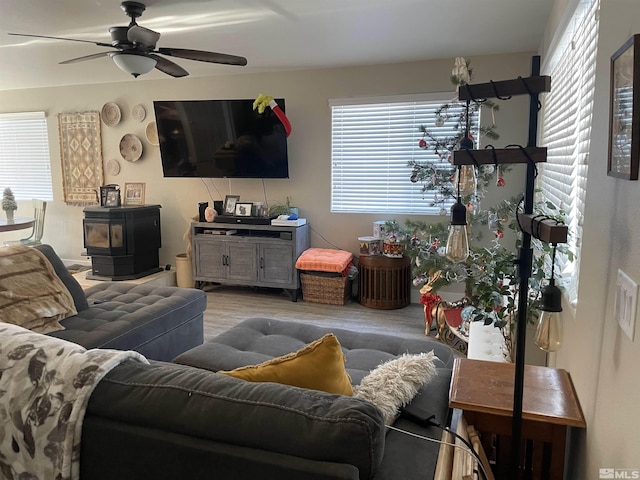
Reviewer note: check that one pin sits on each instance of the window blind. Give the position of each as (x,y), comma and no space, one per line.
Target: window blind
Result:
(25,165)
(372,141)
(566,130)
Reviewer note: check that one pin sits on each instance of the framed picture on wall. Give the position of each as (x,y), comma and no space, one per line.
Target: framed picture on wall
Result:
(624,111)
(134,193)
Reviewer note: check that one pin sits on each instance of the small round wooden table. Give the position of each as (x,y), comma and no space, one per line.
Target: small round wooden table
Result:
(384,282)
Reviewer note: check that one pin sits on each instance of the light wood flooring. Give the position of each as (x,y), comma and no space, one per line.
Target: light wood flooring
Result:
(229,305)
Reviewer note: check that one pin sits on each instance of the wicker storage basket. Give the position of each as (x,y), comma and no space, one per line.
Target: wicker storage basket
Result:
(330,290)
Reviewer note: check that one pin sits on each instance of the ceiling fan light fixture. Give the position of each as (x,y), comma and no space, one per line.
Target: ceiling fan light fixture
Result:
(133,63)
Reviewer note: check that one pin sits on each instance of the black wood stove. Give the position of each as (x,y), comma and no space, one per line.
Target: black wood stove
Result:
(123,242)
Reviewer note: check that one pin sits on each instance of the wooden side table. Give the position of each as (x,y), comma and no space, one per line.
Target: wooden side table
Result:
(384,282)
(483,390)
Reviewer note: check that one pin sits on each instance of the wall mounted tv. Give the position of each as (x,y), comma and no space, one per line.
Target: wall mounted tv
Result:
(221,139)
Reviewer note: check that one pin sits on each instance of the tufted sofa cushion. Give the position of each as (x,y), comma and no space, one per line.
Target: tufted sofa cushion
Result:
(127,316)
(259,339)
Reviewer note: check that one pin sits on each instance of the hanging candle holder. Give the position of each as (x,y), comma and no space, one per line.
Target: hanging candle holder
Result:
(457,248)
(466,179)
(548,336)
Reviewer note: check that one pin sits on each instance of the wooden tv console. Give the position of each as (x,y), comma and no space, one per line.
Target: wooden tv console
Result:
(246,254)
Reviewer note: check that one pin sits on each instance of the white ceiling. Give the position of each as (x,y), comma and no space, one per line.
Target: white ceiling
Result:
(271,34)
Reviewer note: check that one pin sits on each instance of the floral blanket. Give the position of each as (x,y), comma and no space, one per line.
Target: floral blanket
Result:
(45,385)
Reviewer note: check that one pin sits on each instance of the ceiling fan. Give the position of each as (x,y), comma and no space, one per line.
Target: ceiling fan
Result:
(136,48)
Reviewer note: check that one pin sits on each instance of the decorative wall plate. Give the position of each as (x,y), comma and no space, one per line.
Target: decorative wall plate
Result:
(113,167)
(111,114)
(130,148)
(152,134)
(138,113)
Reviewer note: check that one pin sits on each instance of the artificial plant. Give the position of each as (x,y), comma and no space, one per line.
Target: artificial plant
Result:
(441,177)
(489,274)
(281,208)
(8,201)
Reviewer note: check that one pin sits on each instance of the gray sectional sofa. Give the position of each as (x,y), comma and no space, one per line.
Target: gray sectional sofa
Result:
(158,322)
(166,421)
(163,421)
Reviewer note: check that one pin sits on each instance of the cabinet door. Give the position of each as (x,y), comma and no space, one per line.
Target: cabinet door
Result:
(209,258)
(241,262)
(276,265)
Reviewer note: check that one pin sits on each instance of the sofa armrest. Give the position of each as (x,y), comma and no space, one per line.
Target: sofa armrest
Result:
(79,298)
(264,416)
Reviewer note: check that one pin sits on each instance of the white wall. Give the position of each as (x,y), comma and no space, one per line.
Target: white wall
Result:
(306,93)
(601,359)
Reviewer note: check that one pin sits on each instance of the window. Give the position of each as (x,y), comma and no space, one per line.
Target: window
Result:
(566,128)
(25,165)
(372,141)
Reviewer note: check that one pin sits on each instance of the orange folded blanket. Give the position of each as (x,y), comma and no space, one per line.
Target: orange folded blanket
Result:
(324,260)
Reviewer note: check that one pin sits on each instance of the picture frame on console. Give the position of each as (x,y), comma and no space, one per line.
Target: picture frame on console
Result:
(243,209)
(104,190)
(113,198)
(134,193)
(230,204)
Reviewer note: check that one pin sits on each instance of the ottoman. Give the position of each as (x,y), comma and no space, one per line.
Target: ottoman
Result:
(260,339)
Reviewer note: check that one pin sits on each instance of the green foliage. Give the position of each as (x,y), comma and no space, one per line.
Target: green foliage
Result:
(8,200)
(489,274)
(281,208)
(441,178)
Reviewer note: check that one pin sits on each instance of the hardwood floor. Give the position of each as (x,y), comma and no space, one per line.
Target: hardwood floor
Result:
(229,305)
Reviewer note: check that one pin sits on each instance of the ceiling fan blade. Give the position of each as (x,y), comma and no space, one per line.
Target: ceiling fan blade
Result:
(86,57)
(168,67)
(202,56)
(100,44)
(143,36)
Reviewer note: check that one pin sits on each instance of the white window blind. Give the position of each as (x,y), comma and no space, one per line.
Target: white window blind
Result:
(25,165)
(372,141)
(566,129)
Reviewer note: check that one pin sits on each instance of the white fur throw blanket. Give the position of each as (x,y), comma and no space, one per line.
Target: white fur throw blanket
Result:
(393,384)
(45,385)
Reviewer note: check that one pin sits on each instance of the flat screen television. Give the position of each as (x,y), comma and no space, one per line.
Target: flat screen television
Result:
(221,139)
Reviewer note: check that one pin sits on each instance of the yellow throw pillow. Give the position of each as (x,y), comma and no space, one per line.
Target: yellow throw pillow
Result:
(319,366)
